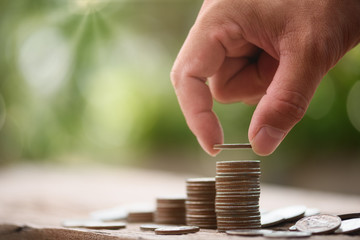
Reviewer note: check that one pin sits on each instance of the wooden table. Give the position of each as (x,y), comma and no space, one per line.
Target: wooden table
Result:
(35,199)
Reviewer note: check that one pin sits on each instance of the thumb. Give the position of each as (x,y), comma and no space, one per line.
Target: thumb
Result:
(284,103)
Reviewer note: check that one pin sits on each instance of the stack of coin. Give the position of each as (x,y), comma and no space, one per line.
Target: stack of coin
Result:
(237,195)
(170,210)
(200,202)
(140,216)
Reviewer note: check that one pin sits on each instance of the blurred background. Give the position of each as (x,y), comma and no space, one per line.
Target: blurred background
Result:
(87,82)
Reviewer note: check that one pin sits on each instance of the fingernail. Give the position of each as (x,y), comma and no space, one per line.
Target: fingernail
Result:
(267,140)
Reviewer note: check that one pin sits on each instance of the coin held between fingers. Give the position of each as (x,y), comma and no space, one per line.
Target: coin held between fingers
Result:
(232,146)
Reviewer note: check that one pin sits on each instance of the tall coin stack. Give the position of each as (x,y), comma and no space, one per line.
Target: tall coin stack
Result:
(170,210)
(237,195)
(200,202)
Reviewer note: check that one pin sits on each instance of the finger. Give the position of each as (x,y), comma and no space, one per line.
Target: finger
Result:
(239,80)
(200,57)
(284,104)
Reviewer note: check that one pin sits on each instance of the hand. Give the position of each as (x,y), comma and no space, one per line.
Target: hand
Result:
(273,53)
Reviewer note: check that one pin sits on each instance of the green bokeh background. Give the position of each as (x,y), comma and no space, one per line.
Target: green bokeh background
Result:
(88,81)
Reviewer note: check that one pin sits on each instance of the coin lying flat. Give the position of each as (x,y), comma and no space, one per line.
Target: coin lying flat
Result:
(285,234)
(152,227)
(319,224)
(93,224)
(349,226)
(111,214)
(248,232)
(291,212)
(292,228)
(349,215)
(271,219)
(232,146)
(176,230)
(311,212)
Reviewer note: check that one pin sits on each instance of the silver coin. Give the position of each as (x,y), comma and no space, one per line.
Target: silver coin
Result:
(176,230)
(111,214)
(248,232)
(232,146)
(201,180)
(293,228)
(93,224)
(291,212)
(319,224)
(349,226)
(152,227)
(311,212)
(221,193)
(285,234)
(349,215)
(271,219)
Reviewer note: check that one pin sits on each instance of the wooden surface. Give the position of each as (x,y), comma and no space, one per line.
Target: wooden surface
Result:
(35,199)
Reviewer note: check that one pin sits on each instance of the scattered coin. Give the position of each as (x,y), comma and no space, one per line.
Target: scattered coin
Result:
(248,232)
(311,212)
(293,228)
(152,227)
(232,146)
(285,234)
(176,230)
(93,224)
(111,214)
(291,212)
(271,219)
(349,226)
(349,215)
(319,224)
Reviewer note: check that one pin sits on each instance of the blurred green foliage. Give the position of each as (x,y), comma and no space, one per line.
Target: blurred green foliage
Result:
(91,78)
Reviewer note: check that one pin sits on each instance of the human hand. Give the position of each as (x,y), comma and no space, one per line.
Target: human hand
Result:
(273,53)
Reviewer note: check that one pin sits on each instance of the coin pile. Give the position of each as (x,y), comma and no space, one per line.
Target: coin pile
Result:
(140,216)
(170,210)
(237,195)
(200,202)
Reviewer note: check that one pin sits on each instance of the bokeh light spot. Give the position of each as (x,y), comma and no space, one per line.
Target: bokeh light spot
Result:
(353,108)
(44,60)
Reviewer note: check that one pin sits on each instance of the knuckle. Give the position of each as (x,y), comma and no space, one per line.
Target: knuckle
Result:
(290,104)
(219,95)
(175,77)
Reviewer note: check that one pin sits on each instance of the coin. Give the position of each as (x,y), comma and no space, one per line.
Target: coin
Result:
(232,146)
(93,224)
(140,216)
(170,210)
(291,212)
(201,180)
(293,228)
(319,224)
(311,212)
(285,234)
(111,214)
(271,218)
(349,215)
(176,230)
(152,227)
(248,232)
(349,226)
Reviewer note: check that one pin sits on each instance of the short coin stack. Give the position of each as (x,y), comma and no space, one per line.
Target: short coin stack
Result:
(200,202)
(237,195)
(170,210)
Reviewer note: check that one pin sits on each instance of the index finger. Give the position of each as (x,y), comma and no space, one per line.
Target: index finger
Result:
(200,57)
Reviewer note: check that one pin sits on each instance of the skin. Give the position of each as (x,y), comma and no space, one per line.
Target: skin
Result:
(270,53)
